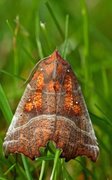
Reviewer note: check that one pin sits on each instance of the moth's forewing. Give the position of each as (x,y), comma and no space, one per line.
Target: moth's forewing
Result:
(52,108)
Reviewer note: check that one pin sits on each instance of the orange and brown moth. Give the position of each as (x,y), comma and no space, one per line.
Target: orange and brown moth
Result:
(52,108)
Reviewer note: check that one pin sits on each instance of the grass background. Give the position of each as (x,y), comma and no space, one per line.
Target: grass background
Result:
(82,32)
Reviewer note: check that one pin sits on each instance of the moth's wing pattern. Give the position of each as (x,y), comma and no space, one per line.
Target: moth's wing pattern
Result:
(81,137)
(19,135)
(52,108)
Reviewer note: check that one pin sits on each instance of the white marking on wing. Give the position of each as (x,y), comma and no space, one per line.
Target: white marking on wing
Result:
(52,117)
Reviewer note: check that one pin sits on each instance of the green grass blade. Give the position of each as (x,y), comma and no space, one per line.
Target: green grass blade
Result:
(42,170)
(100,36)
(37,32)
(66,36)
(26,167)
(46,158)
(39,48)
(66,175)
(4,105)
(9,25)
(85,27)
(51,147)
(103,113)
(9,169)
(1,178)
(55,19)
(45,34)
(104,146)
(105,82)
(15,49)
(31,59)
(99,120)
(85,55)
(12,75)
(85,169)
(57,154)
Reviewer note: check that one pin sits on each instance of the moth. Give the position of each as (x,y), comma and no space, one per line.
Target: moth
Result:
(52,108)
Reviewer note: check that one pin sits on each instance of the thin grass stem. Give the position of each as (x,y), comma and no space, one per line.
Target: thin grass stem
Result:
(12,75)
(55,19)
(37,32)
(85,27)
(4,105)
(105,82)
(16,31)
(42,169)
(9,25)
(57,154)
(26,167)
(66,36)
(9,169)
(86,39)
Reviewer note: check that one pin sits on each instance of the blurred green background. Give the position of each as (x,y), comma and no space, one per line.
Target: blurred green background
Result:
(32,29)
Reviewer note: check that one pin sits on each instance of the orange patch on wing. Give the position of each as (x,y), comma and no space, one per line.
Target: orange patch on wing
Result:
(37,100)
(34,102)
(40,81)
(77,109)
(68,83)
(28,106)
(68,101)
